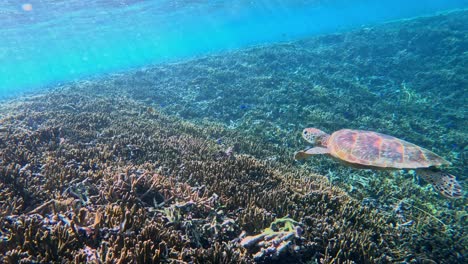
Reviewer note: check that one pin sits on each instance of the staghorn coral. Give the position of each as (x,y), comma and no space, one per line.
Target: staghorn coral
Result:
(274,240)
(95,200)
(188,204)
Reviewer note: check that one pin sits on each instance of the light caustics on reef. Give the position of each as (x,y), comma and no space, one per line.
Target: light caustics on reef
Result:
(46,42)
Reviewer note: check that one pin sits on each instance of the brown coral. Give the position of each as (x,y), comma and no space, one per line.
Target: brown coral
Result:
(147,187)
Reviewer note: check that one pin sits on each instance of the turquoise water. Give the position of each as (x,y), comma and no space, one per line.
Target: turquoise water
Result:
(44,42)
(200,159)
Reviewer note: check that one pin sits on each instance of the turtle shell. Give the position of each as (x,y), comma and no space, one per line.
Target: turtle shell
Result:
(374,149)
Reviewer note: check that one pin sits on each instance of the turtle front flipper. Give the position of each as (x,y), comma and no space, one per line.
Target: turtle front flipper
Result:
(445,183)
(304,154)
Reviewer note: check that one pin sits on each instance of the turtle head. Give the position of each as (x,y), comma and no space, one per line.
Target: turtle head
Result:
(315,136)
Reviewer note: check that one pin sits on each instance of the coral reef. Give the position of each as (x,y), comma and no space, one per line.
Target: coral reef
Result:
(169,164)
(110,180)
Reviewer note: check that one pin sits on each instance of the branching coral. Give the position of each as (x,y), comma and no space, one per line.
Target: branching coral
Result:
(282,235)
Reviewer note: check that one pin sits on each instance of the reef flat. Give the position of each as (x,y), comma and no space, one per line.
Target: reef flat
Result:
(406,78)
(192,162)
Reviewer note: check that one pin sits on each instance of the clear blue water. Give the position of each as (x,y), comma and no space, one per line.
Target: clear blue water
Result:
(43,42)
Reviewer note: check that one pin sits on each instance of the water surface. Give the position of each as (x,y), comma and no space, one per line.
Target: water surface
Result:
(50,41)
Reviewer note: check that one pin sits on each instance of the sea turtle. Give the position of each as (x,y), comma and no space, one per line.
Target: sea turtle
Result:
(368,149)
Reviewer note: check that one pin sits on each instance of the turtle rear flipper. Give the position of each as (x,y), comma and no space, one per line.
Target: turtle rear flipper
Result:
(445,183)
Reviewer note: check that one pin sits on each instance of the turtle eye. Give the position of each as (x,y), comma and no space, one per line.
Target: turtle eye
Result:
(305,132)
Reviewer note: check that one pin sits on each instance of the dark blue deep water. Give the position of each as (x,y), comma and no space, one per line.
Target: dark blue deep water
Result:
(49,41)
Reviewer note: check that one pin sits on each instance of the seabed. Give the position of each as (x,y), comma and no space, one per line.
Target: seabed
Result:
(193,161)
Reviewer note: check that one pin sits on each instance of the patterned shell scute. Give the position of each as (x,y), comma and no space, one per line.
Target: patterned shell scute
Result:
(379,150)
